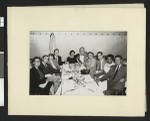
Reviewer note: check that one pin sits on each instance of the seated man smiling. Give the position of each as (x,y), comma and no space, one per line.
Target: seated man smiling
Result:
(116,77)
(50,73)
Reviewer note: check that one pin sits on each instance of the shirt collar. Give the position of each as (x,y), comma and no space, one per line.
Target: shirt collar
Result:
(119,66)
(44,63)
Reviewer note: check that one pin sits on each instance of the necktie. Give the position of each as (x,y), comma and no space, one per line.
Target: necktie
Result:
(57,58)
(45,65)
(115,73)
(53,65)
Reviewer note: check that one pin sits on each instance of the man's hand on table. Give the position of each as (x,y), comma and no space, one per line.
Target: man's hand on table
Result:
(97,79)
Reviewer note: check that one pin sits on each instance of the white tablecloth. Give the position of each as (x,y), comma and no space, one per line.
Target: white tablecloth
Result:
(89,87)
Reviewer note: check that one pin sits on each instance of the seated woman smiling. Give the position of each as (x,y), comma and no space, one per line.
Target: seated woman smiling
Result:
(91,64)
(71,59)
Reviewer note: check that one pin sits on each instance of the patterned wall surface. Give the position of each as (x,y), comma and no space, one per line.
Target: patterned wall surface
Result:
(107,42)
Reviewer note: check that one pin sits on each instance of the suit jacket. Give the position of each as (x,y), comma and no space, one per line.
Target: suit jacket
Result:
(78,57)
(35,81)
(48,70)
(60,62)
(100,65)
(55,63)
(115,83)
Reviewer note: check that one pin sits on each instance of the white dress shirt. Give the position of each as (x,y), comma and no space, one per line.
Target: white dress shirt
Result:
(107,66)
(82,58)
(56,57)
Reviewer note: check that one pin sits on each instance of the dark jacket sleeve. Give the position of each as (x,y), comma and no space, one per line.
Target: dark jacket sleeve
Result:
(60,60)
(68,59)
(108,74)
(52,70)
(77,58)
(35,81)
(35,78)
(123,74)
(42,69)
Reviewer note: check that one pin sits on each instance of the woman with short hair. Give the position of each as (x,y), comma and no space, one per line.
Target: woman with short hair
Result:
(37,78)
(72,59)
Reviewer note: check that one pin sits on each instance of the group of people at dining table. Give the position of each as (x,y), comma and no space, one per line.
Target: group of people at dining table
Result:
(45,72)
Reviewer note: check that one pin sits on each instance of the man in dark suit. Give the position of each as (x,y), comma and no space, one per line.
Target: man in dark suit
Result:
(57,57)
(81,57)
(47,68)
(116,77)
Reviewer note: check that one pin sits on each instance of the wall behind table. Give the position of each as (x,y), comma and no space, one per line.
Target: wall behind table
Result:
(107,42)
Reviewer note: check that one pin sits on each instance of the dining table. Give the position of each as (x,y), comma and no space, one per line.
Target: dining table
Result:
(73,82)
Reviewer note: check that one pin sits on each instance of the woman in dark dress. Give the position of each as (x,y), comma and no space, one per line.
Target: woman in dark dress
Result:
(72,59)
(37,78)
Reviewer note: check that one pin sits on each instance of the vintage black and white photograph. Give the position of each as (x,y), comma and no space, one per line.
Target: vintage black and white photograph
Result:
(77,58)
(78,63)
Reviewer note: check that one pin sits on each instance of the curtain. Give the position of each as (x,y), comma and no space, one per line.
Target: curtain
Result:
(52,43)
